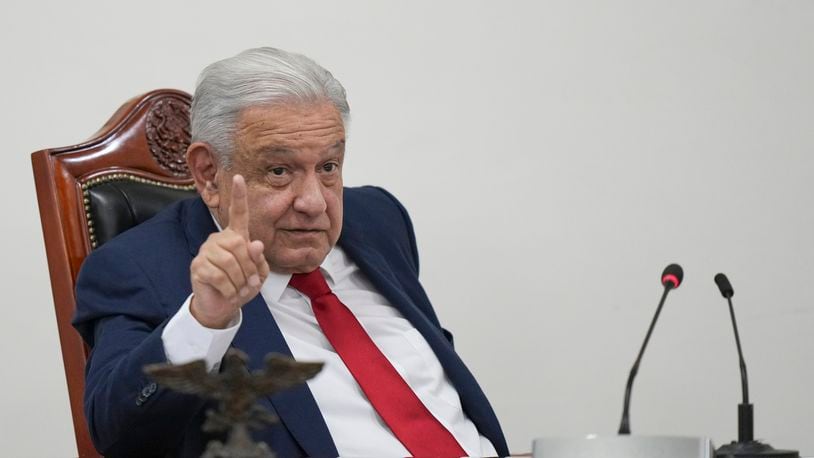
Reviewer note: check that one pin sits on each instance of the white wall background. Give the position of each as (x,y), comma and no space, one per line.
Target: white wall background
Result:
(555,157)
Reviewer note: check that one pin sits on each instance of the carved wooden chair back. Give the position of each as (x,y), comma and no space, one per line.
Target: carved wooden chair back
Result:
(87,193)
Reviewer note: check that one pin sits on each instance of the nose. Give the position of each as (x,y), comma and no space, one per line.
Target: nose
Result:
(309,199)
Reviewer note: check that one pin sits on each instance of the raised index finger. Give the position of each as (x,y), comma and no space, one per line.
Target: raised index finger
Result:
(239,207)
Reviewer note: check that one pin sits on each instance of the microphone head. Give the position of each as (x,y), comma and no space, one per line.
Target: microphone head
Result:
(724,286)
(672,276)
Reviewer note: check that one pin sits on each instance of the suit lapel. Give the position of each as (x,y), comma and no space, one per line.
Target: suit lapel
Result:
(258,336)
(473,400)
(378,270)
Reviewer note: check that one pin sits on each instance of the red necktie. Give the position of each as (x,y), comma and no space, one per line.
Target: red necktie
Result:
(409,420)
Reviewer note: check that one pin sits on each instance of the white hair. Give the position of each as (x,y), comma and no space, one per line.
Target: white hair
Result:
(260,76)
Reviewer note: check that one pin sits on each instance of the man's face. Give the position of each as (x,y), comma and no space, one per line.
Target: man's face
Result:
(291,158)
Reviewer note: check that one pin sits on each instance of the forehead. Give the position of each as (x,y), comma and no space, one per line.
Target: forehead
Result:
(293,126)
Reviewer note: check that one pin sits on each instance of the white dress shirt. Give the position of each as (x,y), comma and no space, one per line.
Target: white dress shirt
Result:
(356,428)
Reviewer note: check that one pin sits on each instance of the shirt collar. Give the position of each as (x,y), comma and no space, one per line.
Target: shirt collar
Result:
(276,282)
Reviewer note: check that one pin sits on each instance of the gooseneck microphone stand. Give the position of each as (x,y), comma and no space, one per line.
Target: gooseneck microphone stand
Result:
(670,278)
(746,446)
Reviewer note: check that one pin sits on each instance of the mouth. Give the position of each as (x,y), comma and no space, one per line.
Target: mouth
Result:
(304,230)
(303,233)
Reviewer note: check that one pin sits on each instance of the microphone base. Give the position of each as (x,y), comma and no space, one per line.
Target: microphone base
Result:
(753,449)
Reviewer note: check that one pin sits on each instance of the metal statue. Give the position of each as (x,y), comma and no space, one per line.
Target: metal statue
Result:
(236,390)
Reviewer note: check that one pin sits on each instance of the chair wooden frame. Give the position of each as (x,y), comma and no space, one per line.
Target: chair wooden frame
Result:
(145,141)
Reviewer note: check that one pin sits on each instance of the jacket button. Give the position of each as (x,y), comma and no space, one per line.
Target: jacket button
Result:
(148,390)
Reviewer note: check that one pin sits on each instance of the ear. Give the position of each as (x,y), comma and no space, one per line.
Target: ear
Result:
(204,167)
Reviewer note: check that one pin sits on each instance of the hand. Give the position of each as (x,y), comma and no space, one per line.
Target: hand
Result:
(229,268)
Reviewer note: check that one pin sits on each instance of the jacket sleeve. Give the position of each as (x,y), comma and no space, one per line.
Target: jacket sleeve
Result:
(120,316)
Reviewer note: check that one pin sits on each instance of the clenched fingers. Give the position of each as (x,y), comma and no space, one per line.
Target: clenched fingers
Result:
(234,257)
(206,273)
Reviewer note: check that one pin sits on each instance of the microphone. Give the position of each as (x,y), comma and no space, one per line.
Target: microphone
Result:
(746,446)
(671,278)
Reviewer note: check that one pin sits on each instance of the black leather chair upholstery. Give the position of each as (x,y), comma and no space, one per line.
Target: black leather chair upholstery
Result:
(117,202)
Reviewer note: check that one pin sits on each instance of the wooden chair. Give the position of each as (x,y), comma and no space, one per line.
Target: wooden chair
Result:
(87,193)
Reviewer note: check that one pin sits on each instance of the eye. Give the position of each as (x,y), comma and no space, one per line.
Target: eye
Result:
(330,167)
(277,171)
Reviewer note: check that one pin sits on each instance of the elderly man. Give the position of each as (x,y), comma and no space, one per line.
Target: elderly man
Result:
(276,256)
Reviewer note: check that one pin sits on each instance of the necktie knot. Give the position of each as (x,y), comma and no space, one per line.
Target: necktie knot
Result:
(312,284)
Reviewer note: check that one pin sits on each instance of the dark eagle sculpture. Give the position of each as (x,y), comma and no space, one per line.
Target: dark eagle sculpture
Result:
(236,390)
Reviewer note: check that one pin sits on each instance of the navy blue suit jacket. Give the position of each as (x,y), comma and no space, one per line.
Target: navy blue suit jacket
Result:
(129,288)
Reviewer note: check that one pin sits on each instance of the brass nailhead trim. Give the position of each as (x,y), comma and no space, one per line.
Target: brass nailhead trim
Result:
(118,177)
